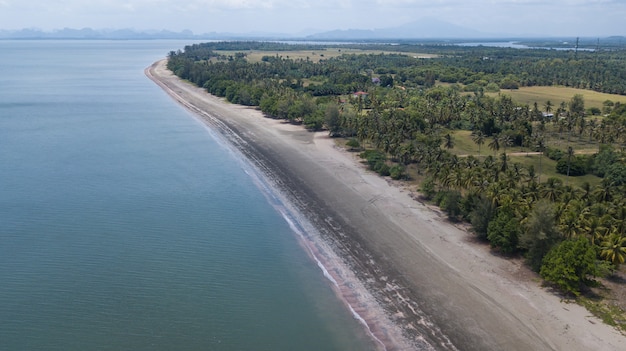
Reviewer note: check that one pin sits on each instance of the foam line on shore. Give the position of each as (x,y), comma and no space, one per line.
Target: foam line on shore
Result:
(424,274)
(317,250)
(360,303)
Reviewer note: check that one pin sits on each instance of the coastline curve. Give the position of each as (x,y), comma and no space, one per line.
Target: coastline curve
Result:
(432,287)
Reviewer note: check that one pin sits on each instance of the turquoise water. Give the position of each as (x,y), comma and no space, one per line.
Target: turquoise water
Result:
(124,225)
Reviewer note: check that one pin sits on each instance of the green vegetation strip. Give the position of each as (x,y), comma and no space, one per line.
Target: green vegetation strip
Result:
(491,134)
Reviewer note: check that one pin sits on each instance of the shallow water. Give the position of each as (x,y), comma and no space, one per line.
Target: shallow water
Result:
(124,225)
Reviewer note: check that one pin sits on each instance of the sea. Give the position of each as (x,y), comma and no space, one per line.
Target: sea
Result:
(126,224)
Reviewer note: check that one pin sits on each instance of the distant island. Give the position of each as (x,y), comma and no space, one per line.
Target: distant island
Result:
(89,33)
(429,30)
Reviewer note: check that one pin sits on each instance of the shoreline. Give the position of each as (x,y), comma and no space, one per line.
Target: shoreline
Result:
(294,208)
(426,276)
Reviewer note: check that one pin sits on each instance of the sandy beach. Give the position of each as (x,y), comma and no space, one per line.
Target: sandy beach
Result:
(414,278)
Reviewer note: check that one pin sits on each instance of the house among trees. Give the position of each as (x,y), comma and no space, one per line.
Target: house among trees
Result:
(360,94)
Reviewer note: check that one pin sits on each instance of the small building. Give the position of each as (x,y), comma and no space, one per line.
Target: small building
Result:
(360,94)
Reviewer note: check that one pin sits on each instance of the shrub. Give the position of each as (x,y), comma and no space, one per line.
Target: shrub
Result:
(577,166)
(451,203)
(604,159)
(492,88)
(503,231)
(509,84)
(314,121)
(553,154)
(373,157)
(353,144)
(569,264)
(595,111)
(382,168)
(483,212)
(427,188)
(397,172)
(438,198)
(616,174)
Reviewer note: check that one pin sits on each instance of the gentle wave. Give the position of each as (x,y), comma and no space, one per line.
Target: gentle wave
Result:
(314,245)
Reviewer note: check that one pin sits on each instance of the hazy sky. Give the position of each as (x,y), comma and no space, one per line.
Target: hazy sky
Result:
(532,17)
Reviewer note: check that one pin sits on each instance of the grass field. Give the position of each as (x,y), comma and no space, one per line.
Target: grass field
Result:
(548,169)
(463,145)
(556,95)
(316,55)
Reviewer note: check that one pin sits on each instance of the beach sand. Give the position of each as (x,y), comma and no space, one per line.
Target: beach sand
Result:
(414,278)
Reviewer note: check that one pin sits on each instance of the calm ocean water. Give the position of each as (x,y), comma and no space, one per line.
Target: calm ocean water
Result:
(124,225)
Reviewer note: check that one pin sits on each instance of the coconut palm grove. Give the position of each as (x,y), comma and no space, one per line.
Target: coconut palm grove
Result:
(539,177)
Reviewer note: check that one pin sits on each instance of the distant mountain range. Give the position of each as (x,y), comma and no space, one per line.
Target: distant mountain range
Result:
(89,33)
(427,28)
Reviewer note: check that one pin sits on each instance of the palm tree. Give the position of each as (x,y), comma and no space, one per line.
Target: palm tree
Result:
(604,191)
(506,140)
(504,162)
(570,223)
(446,177)
(494,144)
(582,124)
(619,218)
(448,141)
(531,192)
(570,153)
(591,128)
(531,176)
(552,189)
(479,138)
(540,146)
(570,193)
(562,108)
(614,248)
(459,178)
(548,106)
(600,210)
(592,226)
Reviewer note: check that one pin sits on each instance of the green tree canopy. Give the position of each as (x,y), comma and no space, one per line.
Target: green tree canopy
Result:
(569,264)
(540,233)
(504,230)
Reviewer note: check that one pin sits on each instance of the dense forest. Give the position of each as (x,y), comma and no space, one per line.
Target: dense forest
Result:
(402,113)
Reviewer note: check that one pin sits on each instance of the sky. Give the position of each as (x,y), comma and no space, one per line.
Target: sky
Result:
(584,18)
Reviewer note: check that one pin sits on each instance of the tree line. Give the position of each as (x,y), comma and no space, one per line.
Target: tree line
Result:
(568,234)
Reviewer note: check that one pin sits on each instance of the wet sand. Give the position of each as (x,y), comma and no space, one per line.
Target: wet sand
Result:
(415,279)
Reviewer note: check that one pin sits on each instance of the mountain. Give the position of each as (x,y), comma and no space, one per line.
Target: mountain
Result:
(89,33)
(132,34)
(427,28)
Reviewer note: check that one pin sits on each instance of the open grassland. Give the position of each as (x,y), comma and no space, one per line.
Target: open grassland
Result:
(463,146)
(556,95)
(316,55)
(548,169)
